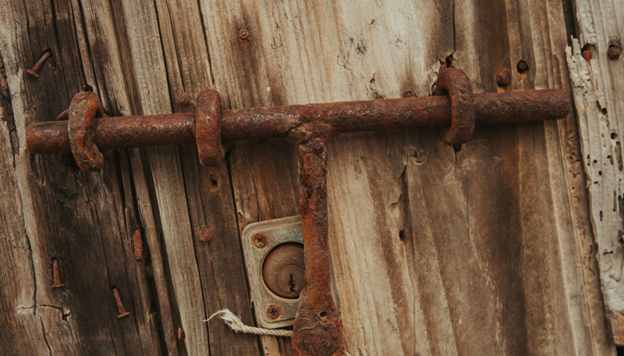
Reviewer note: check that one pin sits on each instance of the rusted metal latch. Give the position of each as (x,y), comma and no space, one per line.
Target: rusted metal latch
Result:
(317,328)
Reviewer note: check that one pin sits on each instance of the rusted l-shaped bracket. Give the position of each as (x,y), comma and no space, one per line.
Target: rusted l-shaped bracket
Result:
(317,327)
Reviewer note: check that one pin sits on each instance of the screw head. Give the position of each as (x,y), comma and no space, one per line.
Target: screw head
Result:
(243,34)
(32,73)
(586,53)
(260,240)
(502,78)
(273,311)
(408,94)
(614,52)
(205,235)
(184,99)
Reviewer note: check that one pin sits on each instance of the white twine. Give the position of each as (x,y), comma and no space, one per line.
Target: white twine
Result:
(237,325)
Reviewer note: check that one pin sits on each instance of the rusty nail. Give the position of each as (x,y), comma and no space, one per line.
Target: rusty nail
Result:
(64,115)
(34,71)
(184,99)
(522,66)
(205,235)
(260,240)
(138,245)
(120,306)
(273,311)
(57,274)
(586,53)
(181,334)
(408,94)
(614,52)
(243,34)
(502,78)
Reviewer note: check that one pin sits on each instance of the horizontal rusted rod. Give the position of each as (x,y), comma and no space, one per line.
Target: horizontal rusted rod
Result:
(274,122)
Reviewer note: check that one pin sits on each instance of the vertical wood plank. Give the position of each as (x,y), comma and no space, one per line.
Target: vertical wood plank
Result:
(596,85)
(18,320)
(484,250)
(71,216)
(208,191)
(552,227)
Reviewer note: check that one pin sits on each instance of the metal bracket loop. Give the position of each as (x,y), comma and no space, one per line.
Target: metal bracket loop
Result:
(85,107)
(208,128)
(456,83)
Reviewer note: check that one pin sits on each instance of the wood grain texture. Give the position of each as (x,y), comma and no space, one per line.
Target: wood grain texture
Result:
(485,250)
(506,258)
(597,85)
(208,191)
(18,320)
(542,246)
(74,217)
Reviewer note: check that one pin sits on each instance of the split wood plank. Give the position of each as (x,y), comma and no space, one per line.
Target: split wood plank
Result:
(17,303)
(192,276)
(71,216)
(208,191)
(597,85)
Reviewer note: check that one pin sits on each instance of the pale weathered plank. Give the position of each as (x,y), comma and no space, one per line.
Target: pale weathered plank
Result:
(262,71)
(597,85)
(487,252)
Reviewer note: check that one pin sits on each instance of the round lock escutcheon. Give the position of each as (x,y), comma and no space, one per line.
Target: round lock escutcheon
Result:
(283,270)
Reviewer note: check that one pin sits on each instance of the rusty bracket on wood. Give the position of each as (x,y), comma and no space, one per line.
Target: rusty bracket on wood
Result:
(317,326)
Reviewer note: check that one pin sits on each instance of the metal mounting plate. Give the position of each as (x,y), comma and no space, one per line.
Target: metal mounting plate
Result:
(277,232)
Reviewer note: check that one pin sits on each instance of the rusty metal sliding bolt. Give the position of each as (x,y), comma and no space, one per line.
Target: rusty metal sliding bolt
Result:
(317,327)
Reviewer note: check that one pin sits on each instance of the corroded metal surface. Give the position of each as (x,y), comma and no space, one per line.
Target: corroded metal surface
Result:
(208,128)
(83,110)
(259,241)
(275,122)
(456,83)
(318,328)
(283,270)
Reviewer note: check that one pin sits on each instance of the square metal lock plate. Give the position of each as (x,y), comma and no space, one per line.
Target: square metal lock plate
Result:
(259,240)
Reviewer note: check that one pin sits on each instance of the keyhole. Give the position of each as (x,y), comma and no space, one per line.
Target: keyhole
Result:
(283,270)
(292,284)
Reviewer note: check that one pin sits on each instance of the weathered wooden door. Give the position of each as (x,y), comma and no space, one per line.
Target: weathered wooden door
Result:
(487,249)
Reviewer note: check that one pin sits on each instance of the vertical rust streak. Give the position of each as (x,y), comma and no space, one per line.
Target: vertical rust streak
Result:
(138,245)
(317,328)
